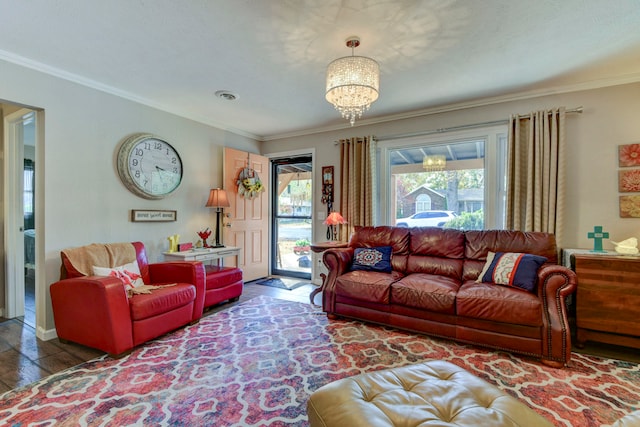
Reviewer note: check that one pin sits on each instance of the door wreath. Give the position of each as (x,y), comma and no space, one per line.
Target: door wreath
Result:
(249,184)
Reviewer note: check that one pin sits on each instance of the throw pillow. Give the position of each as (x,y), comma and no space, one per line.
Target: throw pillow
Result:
(512,269)
(372,259)
(129,274)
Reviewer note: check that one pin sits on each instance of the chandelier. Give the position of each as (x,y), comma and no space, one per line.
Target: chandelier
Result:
(352,83)
(434,163)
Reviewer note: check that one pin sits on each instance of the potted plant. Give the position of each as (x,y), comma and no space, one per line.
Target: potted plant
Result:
(302,247)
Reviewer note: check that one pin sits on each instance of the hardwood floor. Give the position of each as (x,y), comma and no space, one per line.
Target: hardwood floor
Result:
(25,359)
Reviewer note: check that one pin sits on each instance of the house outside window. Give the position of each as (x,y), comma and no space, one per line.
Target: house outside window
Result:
(471,185)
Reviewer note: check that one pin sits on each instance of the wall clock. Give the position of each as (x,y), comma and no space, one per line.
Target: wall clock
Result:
(149,166)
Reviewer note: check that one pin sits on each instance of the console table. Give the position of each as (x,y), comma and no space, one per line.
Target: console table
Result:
(206,254)
(608,299)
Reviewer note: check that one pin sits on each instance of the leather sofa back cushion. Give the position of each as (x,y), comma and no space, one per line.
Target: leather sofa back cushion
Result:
(371,237)
(479,243)
(437,242)
(451,268)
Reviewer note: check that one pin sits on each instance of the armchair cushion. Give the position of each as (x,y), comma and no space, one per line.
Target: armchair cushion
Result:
(128,273)
(78,262)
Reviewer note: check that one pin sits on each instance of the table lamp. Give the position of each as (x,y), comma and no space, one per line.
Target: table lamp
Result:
(332,220)
(218,199)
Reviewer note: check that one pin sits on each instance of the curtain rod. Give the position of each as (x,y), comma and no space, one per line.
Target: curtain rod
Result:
(461,127)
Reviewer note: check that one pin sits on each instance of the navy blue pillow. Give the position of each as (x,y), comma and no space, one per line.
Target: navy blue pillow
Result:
(512,269)
(372,259)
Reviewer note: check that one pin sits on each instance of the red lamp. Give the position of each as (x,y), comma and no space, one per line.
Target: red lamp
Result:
(332,220)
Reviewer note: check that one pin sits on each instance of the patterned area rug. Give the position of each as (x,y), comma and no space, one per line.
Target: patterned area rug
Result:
(256,364)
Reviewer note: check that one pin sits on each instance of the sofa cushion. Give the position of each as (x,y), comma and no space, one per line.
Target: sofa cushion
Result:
(426,291)
(371,286)
(512,269)
(437,242)
(480,242)
(372,259)
(372,237)
(498,303)
(161,300)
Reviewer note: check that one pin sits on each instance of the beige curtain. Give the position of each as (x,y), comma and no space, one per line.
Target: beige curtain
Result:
(357,183)
(536,172)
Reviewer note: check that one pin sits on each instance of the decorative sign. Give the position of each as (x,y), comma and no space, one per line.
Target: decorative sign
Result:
(153,216)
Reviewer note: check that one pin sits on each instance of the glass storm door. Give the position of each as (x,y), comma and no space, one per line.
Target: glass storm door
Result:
(292,208)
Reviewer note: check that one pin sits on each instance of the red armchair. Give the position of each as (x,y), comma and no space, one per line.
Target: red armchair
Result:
(97,312)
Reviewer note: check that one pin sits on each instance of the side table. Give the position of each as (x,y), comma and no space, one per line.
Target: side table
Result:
(206,254)
(608,298)
(319,248)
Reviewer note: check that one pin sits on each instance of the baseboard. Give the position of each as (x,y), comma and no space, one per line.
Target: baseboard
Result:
(46,334)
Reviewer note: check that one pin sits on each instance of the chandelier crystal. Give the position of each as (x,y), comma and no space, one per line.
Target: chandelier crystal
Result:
(434,163)
(352,83)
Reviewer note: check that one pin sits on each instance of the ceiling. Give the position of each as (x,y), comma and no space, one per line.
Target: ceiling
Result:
(174,55)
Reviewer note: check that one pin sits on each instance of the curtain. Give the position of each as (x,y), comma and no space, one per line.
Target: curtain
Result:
(358,193)
(536,172)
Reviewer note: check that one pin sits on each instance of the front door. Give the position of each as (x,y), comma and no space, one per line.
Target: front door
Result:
(291,197)
(247,217)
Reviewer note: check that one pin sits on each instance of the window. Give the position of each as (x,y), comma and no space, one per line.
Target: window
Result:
(467,193)
(423,203)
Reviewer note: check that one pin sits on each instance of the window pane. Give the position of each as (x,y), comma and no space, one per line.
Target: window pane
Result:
(450,197)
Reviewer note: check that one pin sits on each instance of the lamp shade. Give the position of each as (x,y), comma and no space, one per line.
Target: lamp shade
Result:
(218,199)
(334,218)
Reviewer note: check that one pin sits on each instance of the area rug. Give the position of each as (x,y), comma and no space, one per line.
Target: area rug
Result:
(256,364)
(282,283)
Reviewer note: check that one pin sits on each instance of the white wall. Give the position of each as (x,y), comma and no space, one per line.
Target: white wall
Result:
(80,197)
(610,119)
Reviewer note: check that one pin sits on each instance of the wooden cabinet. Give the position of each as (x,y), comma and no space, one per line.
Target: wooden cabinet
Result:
(608,299)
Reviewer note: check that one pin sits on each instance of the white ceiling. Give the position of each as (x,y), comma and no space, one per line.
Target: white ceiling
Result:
(175,54)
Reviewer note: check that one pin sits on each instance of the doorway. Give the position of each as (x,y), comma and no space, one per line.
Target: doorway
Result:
(291,203)
(19,147)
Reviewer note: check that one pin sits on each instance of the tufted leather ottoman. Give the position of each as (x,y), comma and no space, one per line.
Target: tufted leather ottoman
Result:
(434,393)
(221,284)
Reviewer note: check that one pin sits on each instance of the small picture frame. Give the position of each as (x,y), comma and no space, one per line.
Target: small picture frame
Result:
(139,215)
(628,155)
(327,175)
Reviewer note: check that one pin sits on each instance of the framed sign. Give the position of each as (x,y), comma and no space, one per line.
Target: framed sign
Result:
(327,175)
(327,186)
(153,215)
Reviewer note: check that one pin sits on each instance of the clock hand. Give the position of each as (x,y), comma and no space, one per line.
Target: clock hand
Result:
(160,169)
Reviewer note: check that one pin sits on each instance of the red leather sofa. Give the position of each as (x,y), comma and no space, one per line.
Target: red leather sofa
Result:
(97,312)
(432,289)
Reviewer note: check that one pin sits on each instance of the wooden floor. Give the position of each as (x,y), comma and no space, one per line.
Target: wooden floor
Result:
(25,359)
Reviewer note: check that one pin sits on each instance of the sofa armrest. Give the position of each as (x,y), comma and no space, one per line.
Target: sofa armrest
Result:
(93,311)
(338,262)
(555,283)
(181,272)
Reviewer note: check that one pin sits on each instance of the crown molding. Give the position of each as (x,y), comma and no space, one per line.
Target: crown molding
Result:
(75,78)
(481,102)
(517,96)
